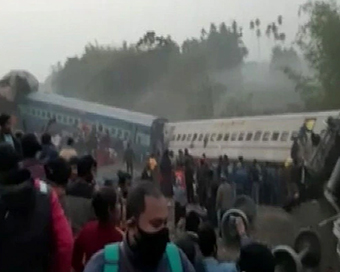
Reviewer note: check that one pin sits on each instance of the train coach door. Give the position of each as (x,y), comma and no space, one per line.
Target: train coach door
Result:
(157,143)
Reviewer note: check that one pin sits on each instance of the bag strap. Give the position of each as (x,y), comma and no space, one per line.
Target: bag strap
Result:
(174,258)
(111,255)
(41,186)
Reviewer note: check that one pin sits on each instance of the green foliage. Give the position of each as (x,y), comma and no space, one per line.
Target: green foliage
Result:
(319,41)
(285,57)
(155,64)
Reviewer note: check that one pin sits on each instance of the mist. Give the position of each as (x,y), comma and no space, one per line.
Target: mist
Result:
(206,65)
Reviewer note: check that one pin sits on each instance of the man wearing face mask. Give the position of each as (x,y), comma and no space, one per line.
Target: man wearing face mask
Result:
(146,244)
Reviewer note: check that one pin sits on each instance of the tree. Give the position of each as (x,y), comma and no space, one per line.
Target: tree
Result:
(203,34)
(154,66)
(255,26)
(319,41)
(273,30)
(285,57)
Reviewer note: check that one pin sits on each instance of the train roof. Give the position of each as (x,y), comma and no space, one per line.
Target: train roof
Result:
(95,108)
(261,117)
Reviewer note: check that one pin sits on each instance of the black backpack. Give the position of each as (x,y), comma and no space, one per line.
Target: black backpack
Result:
(25,237)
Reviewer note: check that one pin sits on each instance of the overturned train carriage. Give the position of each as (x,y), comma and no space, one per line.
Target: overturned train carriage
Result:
(35,111)
(308,236)
(71,115)
(265,138)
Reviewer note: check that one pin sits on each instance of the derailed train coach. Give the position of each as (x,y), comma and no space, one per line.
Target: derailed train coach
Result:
(264,138)
(74,115)
(35,111)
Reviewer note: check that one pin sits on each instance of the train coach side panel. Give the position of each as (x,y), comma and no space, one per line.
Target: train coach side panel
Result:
(266,138)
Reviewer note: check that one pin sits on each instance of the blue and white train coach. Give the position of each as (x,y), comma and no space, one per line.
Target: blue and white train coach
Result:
(143,131)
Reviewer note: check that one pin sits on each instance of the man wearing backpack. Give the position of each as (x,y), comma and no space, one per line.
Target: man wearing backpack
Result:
(34,233)
(146,245)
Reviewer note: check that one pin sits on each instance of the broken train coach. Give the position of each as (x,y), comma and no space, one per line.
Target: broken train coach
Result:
(143,131)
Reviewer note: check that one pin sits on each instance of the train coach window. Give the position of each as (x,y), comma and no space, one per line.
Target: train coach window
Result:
(76,123)
(119,133)
(126,135)
(200,137)
(284,136)
(194,137)
(212,137)
(257,136)
(226,137)
(249,136)
(219,137)
(183,137)
(275,136)
(265,137)
(233,136)
(48,115)
(173,138)
(294,135)
(189,137)
(178,137)
(241,137)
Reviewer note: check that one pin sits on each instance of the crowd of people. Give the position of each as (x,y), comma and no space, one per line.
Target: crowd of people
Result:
(215,185)
(55,217)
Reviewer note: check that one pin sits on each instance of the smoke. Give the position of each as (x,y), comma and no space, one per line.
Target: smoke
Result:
(250,89)
(258,88)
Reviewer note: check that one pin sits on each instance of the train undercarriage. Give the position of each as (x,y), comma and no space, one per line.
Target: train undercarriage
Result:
(308,237)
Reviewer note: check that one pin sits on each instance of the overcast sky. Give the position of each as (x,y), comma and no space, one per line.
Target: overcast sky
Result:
(38,33)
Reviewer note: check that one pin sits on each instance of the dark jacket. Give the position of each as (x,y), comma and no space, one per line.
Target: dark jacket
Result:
(188,242)
(17,145)
(129,155)
(34,233)
(78,205)
(80,188)
(48,152)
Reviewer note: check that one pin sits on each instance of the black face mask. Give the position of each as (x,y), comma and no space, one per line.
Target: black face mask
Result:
(149,247)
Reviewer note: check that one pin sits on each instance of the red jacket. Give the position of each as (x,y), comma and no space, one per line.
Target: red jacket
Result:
(92,238)
(62,236)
